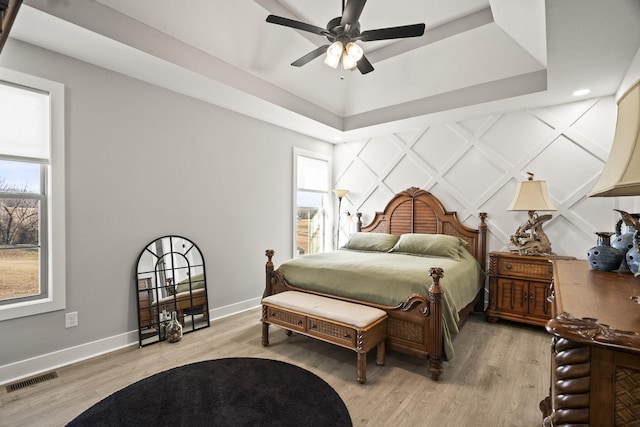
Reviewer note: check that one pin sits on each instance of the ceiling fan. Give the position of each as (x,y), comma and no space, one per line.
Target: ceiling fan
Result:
(343,32)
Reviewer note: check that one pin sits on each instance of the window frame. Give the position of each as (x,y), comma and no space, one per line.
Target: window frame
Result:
(54,241)
(327,232)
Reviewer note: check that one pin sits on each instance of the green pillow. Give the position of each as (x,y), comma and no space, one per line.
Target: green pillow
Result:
(436,245)
(197,282)
(372,242)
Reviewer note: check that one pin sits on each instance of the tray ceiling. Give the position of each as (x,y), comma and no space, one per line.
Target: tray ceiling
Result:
(476,55)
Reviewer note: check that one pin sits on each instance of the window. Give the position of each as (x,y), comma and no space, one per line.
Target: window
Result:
(32,266)
(312,173)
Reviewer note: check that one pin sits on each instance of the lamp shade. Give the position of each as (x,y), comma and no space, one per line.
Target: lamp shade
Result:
(341,193)
(531,196)
(621,173)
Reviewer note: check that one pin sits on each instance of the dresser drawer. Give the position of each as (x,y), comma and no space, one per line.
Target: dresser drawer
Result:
(331,332)
(286,319)
(542,270)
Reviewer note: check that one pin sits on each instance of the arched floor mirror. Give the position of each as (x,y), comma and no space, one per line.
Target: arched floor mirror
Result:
(170,277)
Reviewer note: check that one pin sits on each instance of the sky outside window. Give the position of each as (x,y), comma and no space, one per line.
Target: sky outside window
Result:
(20,176)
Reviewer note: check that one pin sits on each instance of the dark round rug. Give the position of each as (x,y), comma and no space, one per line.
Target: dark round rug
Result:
(223,392)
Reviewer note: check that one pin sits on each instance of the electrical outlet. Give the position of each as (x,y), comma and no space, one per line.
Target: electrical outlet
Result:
(71,319)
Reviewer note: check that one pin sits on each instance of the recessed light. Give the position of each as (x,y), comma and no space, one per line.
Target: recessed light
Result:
(581,92)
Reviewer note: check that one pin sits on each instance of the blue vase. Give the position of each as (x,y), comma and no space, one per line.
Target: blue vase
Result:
(603,256)
(633,255)
(624,241)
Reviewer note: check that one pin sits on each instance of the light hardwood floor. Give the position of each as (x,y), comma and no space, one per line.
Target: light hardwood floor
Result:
(497,378)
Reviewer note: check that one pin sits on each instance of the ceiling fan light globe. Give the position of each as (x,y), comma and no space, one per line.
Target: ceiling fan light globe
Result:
(354,51)
(348,62)
(335,50)
(332,61)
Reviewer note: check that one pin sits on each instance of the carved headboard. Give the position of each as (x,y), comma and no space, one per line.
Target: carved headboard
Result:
(417,211)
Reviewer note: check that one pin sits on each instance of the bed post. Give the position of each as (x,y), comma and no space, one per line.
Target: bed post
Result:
(269,271)
(435,298)
(359,222)
(482,246)
(481,256)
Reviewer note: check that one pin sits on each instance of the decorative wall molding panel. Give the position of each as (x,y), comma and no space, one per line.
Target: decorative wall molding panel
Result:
(474,165)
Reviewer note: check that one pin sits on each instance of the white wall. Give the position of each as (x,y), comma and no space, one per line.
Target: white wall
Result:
(474,164)
(143,162)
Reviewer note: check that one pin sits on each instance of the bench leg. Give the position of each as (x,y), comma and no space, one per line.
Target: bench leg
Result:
(362,368)
(265,334)
(380,354)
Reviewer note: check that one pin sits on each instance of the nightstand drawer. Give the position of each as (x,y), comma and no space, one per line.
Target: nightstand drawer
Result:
(542,270)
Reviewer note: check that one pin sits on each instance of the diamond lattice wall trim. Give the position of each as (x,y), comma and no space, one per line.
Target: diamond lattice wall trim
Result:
(474,165)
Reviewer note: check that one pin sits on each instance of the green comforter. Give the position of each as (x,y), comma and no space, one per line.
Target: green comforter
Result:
(389,279)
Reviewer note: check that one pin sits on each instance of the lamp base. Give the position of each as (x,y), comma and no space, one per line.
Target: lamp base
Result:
(530,239)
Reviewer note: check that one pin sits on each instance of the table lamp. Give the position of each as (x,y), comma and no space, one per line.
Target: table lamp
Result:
(529,238)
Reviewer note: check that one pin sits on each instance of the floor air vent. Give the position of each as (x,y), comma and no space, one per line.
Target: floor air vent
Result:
(31,381)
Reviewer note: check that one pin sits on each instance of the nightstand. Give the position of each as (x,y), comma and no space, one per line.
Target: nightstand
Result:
(519,287)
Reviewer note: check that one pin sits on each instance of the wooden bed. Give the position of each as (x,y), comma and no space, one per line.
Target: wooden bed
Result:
(185,303)
(414,327)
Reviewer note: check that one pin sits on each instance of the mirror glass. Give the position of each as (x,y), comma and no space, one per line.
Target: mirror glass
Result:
(170,277)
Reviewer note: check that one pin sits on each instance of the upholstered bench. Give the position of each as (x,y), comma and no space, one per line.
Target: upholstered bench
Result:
(346,324)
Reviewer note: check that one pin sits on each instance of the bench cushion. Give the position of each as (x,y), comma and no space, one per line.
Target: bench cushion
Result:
(345,312)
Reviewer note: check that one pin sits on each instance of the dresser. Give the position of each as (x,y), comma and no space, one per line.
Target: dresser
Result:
(595,348)
(519,287)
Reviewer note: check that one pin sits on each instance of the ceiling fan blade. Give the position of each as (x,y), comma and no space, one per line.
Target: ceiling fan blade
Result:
(310,56)
(415,30)
(273,19)
(364,66)
(351,13)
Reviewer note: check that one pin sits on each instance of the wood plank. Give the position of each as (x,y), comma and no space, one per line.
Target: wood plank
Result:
(497,378)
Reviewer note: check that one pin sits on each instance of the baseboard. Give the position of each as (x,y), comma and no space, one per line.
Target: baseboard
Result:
(231,309)
(47,362)
(50,361)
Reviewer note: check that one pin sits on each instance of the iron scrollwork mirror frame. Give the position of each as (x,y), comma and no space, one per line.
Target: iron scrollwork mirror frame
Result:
(170,276)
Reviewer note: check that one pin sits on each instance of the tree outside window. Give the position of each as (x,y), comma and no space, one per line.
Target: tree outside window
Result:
(19,242)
